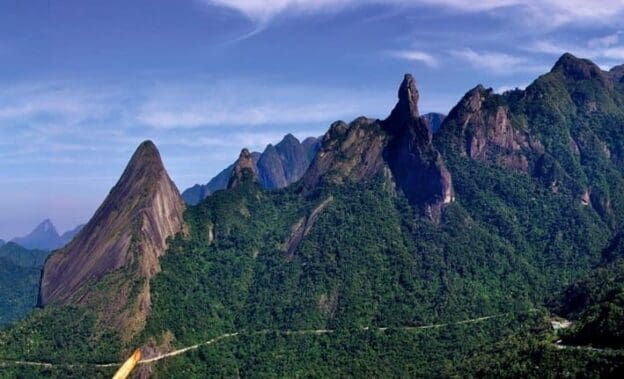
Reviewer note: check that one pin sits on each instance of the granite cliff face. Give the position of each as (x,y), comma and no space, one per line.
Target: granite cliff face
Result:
(352,152)
(418,168)
(399,146)
(488,133)
(277,166)
(120,245)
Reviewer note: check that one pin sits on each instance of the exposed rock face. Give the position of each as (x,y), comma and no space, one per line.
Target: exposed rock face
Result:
(286,162)
(244,170)
(278,166)
(417,166)
(487,132)
(351,151)
(125,237)
(400,145)
(303,227)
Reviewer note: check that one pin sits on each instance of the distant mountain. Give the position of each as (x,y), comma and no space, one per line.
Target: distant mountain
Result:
(2,243)
(69,235)
(20,271)
(45,237)
(278,166)
(117,251)
(434,120)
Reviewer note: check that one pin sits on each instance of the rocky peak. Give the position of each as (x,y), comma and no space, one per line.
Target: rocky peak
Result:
(244,170)
(409,96)
(348,151)
(289,140)
(579,69)
(418,168)
(46,226)
(44,237)
(123,240)
(405,112)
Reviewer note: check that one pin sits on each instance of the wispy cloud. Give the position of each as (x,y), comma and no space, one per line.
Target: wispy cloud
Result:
(415,56)
(606,48)
(496,62)
(250,103)
(556,12)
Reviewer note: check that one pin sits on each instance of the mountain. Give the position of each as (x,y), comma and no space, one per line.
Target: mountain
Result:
(20,270)
(399,253)
(45,237)
(2,243)
(277,167)
(66,237)
(434,120)
(117,251)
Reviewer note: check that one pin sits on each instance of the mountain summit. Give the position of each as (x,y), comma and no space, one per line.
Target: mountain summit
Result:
(277,166)
(122,241)
(44,236)
(244,170)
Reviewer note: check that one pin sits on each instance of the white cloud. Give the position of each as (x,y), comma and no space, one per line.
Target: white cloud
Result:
(249,103)
(416,56)
(548,12)
(603,48)
(496,62)
(604,42)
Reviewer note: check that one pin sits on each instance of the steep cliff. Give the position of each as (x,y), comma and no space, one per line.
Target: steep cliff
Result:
(110,262)
(418,168)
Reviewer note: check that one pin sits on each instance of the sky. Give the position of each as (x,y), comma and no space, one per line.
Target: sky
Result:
(82,83)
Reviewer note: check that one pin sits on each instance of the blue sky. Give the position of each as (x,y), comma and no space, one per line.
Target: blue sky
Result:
(82,83)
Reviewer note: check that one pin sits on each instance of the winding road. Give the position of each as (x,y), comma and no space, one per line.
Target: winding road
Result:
(6,363)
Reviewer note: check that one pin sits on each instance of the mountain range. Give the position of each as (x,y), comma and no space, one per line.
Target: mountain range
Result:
(397,252)
(278,166)
(45,237)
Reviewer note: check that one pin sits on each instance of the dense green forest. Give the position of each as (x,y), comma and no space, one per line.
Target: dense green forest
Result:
(20,270)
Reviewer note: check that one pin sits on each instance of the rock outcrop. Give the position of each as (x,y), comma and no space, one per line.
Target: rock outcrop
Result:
(418,168)
(244,170)
(487,132)
(353,152)
(116,252)
(399,146)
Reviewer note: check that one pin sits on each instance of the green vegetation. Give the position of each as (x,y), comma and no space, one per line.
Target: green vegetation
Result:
(20,270)
(363,257)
